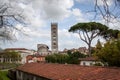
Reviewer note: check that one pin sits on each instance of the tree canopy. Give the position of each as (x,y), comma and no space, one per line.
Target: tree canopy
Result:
(110,53)
(88,31)
(70,58)
(12,55)
(110,33)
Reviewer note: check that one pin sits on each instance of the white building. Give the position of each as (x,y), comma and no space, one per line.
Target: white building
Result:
(23,53)
(89,61)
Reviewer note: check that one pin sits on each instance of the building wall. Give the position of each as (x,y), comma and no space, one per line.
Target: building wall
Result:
(87,63)
(54,37)
(42,49)
(26,76)
(23,56)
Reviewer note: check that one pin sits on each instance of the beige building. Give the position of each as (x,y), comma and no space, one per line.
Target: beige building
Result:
(23,53)
(43,49)
(54,37)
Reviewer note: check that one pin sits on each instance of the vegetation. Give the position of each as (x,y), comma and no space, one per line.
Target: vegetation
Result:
(89,31)
(98,47)
(57,58)
(11,56)
(70,58)
(74,57)
(110,53)
(8,65)
(3,75)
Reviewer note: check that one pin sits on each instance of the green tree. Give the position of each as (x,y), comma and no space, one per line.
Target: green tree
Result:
(110,53)
(110,33)
(57,58)
(71,58)
(88,31)
(74,57)
(12,56)
(98,47)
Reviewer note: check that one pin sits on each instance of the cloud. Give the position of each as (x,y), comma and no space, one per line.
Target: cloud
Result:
(101,2)
(53,9)
(81,16)
(68,40)
(41,12)
(84,1)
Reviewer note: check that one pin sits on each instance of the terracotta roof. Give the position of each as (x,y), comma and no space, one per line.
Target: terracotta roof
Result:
(71,72)
(16,49)
(37,56)
(88,59)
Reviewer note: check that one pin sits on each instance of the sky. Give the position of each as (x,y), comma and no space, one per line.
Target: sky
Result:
(39,16)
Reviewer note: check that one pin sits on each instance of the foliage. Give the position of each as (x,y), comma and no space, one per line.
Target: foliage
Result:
(70,58)
(88,31)
(73,57)
(3,75)
(110,33)
(98,47)
(12,55)
(110,53)
(57,58)
(97,64)
(8,65)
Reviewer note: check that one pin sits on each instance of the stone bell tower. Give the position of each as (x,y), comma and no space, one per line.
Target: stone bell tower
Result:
(54,37)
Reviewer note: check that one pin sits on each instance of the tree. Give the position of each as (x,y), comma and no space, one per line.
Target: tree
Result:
(110,33)
(110,53)
(88,31)
(9,17)
(98,47)
(70,58)
(74,57)
(12,56)
(108,9)
(57,58)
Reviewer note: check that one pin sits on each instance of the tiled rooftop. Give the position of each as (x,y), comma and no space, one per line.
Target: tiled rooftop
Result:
(88,59)
(71,72)
(16,49)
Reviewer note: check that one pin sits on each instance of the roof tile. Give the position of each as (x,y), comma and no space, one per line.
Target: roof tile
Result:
(71,72)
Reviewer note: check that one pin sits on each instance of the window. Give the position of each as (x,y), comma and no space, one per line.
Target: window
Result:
(54,43)
(54,28)
(54,32)
(84,63)
(91,64)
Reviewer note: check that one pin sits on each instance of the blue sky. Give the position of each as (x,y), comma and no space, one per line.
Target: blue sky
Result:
(39,15)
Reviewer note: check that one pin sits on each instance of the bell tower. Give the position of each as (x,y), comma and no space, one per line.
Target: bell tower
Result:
(54,37)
